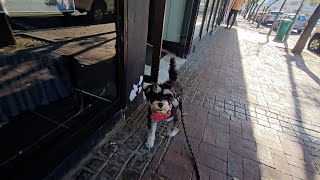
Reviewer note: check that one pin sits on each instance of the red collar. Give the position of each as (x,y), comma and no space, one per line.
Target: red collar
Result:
(160,117)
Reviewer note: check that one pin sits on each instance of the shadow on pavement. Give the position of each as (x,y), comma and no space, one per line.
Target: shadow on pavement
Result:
(51,22)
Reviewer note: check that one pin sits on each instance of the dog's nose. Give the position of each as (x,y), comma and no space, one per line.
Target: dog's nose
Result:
(160,104)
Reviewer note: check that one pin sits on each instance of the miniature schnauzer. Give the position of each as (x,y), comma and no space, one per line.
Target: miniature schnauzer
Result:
(164,101)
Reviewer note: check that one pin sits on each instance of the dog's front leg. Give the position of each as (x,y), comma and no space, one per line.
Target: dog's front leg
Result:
(151,135)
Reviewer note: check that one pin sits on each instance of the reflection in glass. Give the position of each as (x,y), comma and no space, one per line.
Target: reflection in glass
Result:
(199,19)
(54,82)
(205,24)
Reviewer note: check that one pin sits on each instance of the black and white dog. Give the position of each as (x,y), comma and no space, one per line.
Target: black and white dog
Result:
(164,99)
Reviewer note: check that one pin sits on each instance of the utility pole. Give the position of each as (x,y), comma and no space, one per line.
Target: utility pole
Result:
(294,21)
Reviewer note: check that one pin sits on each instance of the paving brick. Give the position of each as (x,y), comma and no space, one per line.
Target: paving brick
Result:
(215,151)
(243,142)
(289,131)
(303,174)
(129,174)
(195,132)
(250,169)
(272,115)
(263,122)
(222,144)
(286,124)
(251,114)
(218,119)
(212,162)
(273,144)
(240,110)
(168,170)
(313,145)
(240,115)
(122,155)
(260,111)
(264,155)
(156,159)
(244,152)
(305,163)
(207,173)
(271,173)
(108,150)
(235,168)
(177,143)
(274,121)
(110,171)
(280,161)
(83,175)
(148,174)
(218,126)
(230,107)
(235,128)
(247,132)
(209,135)
(275,127)
(179,160)
(95,164)
(195,143)
(296,149)
(222,136)
(313,151)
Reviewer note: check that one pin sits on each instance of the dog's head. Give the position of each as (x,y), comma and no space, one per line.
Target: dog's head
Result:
(160,98)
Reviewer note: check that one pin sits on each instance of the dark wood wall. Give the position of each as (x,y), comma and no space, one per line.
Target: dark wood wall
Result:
(137,32)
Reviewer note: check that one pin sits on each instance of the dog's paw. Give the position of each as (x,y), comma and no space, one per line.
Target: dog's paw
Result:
(174,132)
(150,142)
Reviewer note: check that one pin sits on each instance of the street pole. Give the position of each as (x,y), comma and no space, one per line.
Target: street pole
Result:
(294,20)
(271,29)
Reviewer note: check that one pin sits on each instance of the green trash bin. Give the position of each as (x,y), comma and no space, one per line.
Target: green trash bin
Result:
(283,29)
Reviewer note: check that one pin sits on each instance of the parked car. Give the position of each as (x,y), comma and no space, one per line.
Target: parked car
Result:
(270,17)
(96,9)
(299,25)
(314,42)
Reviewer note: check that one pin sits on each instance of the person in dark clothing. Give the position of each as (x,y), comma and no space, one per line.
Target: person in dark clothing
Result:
(235,7)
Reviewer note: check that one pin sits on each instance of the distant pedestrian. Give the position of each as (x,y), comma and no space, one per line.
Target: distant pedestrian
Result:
(235,7)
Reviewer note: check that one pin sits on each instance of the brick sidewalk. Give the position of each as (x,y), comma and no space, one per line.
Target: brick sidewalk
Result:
(252,114)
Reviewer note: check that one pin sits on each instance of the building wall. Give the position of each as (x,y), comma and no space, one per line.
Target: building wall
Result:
(293,5)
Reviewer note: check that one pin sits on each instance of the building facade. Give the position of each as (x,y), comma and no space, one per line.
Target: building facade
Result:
(60,96)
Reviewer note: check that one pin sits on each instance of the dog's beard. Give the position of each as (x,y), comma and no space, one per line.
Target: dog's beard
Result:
(161,110)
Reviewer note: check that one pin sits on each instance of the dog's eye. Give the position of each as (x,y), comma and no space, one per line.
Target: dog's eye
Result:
(166,97)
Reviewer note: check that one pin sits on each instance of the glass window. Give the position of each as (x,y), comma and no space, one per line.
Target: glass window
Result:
(205,24)
(213,18)
(173,20)
(58,74)
(199,19)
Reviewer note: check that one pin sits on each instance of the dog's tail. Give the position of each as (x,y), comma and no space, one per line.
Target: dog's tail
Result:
(173,74)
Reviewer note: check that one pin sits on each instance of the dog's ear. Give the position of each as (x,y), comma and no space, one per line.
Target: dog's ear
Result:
(147,91)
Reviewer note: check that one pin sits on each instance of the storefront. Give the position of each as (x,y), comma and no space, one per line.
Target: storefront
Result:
(186,22)
(70,78)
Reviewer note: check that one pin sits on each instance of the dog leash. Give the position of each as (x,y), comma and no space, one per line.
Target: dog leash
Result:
(188,142)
